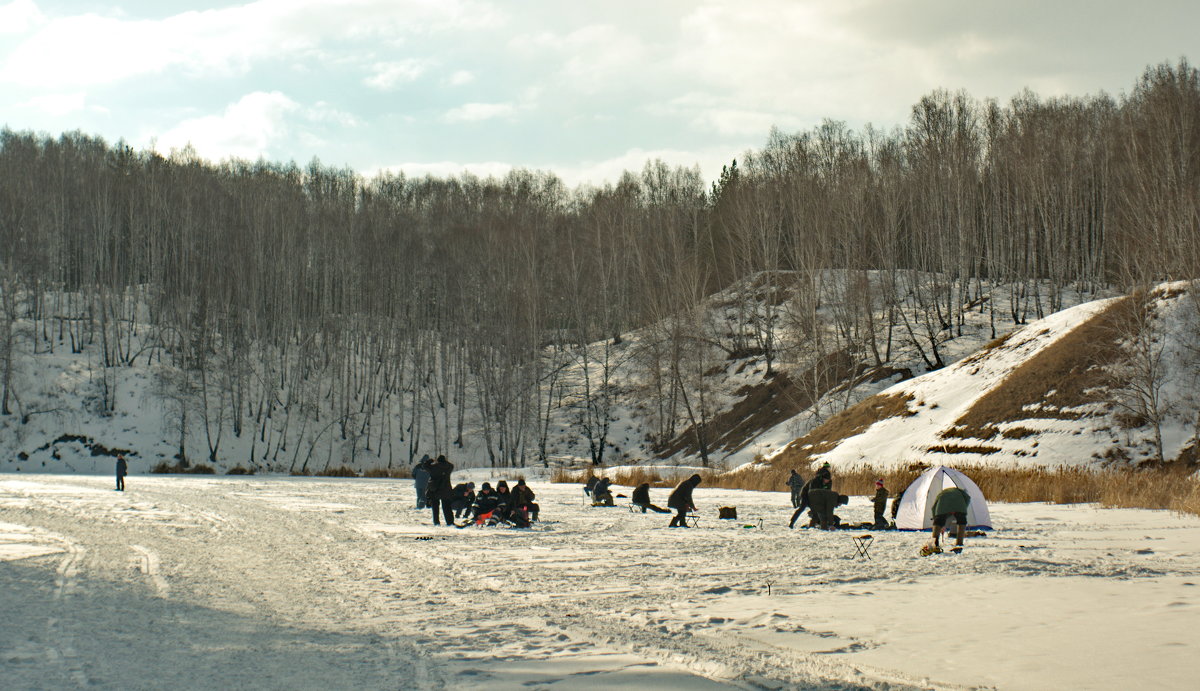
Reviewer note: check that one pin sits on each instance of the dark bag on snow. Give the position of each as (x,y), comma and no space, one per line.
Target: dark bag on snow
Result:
(727,512)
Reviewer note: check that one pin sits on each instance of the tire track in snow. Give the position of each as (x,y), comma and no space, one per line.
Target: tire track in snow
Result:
(146,561)
(62,651)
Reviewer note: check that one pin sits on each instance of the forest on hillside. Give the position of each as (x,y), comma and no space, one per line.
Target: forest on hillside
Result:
(277,300)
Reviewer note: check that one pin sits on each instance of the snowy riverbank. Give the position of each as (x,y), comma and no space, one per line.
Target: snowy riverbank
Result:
(213,582)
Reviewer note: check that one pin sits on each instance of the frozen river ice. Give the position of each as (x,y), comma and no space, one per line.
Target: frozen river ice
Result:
(307,583)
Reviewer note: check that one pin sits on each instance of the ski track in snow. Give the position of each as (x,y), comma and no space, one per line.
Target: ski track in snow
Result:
(319,583)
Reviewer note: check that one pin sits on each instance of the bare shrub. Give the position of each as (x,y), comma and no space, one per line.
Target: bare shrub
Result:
(633,477)
(193,469)
(340,471)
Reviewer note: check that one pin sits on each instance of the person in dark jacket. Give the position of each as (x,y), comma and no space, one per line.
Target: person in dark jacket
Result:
(122,471)
(881,497)
(796,483)
(681,501)
(824,502)
(440,491)
(951,502)
(485,503)
(601,494)
(589,482)
(420,473)
(641,498)
(523,500)
(464,498)
(823,479)
(504,501)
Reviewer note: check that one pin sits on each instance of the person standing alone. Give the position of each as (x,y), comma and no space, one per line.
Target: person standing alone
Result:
(122,471)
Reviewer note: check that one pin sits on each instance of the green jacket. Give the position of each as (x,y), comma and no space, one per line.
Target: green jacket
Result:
(951,500)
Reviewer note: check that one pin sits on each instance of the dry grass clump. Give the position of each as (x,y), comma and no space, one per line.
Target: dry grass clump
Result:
(1174,487)
(632,477)
(191,469)
(340,471)
(394,473)
(566,476)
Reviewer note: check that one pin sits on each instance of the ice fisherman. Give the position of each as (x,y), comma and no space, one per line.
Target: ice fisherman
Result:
(522,500)
(464,497)
(951,502)
(601,494)
(420,475)
(796,482)
(880,501)
(641,498)
(439,490)
(122,471)
(485,503)
(823,479)
(824,502)
(681,501)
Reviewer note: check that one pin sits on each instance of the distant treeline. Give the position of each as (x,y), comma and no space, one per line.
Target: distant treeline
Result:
(308,303)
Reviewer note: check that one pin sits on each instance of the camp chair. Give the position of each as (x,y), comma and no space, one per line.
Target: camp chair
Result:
(862,543)
(692,519)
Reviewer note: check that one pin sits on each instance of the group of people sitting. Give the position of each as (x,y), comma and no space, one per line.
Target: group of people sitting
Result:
(495,506)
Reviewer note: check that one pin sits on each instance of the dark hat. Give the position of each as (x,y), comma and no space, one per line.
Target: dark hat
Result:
(485,486)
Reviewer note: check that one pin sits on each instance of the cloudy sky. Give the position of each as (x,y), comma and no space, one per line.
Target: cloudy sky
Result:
(582,88)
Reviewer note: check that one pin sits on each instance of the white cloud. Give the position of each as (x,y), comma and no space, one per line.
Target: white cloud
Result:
(93,49)
(460,78)
(57,105)
(246,129)
(475,112)
(590,59)
(19,16)
(389,75)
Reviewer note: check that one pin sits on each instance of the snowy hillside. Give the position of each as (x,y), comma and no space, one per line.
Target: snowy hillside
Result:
(1102,382)
(1045,394)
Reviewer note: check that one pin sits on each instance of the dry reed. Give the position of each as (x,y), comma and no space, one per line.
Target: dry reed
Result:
(1173,488)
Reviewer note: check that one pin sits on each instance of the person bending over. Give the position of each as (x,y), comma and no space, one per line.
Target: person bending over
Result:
(951,502)
(681,501)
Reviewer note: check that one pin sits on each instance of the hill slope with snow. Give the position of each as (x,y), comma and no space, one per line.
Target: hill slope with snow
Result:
(1071,388)
(1105,382)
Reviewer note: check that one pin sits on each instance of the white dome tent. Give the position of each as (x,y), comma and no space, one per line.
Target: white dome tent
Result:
(916,506)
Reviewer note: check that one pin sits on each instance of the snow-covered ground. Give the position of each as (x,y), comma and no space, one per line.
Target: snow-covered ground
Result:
(248,582)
